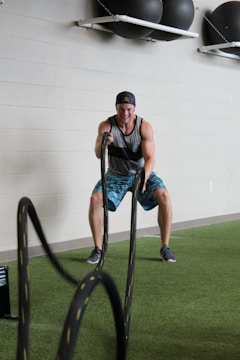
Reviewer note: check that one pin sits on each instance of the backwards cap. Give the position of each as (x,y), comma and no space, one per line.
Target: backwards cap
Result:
(125,97)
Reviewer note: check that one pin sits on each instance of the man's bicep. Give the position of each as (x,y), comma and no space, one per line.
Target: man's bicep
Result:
(148,146)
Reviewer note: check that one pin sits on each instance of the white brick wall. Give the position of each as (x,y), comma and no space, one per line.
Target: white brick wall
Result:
(57,81)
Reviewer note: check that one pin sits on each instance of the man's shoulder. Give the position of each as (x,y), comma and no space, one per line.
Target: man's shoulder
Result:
(105,125)
(146,128)
(145,123)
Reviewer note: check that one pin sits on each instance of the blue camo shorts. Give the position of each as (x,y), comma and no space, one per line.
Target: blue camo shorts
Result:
(118,185)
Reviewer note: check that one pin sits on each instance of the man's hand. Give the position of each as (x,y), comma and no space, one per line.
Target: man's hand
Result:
(110,138)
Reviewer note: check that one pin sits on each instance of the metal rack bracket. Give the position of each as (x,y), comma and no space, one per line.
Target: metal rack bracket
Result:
(216,49)
(95,23)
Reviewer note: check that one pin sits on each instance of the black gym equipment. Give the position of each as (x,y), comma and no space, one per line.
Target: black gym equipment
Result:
(150,10)
(176,13)
(5,308)
(84,287)
(223,26)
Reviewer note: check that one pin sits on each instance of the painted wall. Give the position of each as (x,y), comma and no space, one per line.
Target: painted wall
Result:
(58,81)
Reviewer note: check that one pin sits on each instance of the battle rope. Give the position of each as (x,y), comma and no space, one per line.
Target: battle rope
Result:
(76,311)
(137,186)
(26,208)
(83,292)
(105,201)
(84,288)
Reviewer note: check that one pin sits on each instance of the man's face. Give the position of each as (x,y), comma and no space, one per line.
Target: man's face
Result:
(125,111)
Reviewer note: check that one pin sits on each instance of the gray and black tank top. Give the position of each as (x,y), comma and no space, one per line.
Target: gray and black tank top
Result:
(125,153)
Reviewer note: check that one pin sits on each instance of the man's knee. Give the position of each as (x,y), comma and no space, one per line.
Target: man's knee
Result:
(96,200)
(162,196)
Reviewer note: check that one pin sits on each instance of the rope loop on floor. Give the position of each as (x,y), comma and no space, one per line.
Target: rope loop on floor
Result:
(84,287)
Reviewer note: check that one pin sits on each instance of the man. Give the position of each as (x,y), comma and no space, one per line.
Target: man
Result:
(130,147)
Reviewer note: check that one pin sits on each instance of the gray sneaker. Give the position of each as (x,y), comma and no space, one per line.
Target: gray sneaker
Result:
(95,256)
(166,254)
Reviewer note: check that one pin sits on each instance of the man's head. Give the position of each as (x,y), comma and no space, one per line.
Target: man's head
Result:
(125,106)
(125,97)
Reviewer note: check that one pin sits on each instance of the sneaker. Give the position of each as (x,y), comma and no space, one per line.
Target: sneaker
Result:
(95,256)
(166,254)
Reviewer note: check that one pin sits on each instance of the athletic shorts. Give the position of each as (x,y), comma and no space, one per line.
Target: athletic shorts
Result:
(118,185)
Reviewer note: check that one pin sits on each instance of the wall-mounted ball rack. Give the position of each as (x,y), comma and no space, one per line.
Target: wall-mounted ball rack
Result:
(95,23)
(216,49)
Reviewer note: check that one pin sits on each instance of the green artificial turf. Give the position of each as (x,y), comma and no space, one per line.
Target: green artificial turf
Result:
(186,310)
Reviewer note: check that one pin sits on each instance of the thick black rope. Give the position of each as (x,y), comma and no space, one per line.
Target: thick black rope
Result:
(105,201)
(76,311)
(83,292)
(137,186)
(26,208)
(84,288)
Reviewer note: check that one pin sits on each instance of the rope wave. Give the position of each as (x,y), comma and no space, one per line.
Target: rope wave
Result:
(85,287)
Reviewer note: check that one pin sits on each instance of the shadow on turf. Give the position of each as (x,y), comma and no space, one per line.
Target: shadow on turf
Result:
(73,259)
(84,260)
(144,258)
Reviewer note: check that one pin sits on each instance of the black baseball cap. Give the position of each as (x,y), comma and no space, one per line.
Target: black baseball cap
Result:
(125,97)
